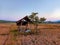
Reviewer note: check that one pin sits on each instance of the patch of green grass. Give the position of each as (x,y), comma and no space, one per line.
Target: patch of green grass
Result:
(3,34)
(14,32)
(17,33)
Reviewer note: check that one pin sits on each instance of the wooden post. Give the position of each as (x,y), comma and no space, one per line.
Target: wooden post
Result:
(18,28)
(28,25)
(36,28)
(21,26)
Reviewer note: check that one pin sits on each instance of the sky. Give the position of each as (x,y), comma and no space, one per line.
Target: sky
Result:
(17,9)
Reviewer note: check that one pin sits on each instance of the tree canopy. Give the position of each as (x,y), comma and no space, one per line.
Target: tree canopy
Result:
(42,19)
(35,18)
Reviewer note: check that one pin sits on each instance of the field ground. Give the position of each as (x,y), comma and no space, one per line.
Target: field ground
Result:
(49,35)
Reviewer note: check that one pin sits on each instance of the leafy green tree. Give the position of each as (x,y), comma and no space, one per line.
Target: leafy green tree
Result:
(32,16)
(42,19)
(37,19)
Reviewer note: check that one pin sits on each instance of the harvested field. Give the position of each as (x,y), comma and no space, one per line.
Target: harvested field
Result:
(49,35)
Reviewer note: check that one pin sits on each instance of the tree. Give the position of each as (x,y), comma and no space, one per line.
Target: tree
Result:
(32,16)
(42,19)
(37,19)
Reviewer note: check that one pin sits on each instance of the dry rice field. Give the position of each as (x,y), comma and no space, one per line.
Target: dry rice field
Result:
(49,35)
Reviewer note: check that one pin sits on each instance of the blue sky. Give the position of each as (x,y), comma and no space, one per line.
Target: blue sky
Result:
(16,9)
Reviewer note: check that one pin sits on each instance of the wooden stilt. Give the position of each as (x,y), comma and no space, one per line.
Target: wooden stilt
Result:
(21,26)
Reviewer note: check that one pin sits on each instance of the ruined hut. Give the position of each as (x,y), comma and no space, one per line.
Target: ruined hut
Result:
(24,23)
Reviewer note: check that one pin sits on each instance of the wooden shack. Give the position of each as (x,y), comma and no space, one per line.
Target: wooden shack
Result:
(24,23)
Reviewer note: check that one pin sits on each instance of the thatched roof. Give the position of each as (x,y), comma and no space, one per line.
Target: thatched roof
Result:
(24,21)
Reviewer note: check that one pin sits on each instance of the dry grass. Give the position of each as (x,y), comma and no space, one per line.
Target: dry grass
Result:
(49,35)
